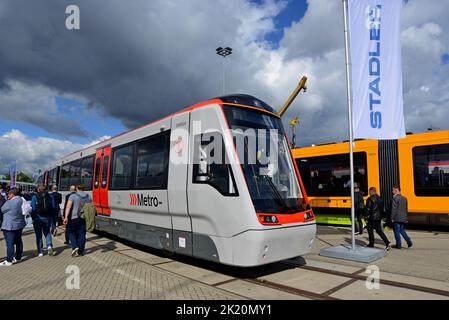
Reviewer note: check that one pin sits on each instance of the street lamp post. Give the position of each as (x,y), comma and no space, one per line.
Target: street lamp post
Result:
(224,52)
(293,123)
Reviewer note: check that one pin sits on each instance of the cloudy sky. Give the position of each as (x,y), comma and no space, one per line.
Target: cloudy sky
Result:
(132,62)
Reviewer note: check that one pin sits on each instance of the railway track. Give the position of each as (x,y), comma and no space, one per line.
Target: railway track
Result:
(246,276)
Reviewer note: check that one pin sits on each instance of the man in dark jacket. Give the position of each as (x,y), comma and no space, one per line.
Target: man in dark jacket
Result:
(359,208)
(374,209)
(56,199)
(41,214)
(399,217)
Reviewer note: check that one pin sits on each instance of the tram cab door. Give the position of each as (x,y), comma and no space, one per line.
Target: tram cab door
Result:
(177,192)
(212,190)
(100,186)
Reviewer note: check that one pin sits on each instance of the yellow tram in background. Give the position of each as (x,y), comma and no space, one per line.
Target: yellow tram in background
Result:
(418,163)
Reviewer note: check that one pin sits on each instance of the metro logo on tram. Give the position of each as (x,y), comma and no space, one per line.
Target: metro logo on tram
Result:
(142,200)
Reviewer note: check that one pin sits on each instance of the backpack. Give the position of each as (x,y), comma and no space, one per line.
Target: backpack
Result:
(83,201)
(44,205)
(88,213)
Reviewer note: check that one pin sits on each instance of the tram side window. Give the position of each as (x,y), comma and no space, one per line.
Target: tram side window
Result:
(152,162)
(330,175)
(210,164)
(75,172)
(87,168)
(53,177)
(65,177)
(431,170)
(50,176)
(54,180)
(104,175)
(40,180)
(97,173)
(122,162)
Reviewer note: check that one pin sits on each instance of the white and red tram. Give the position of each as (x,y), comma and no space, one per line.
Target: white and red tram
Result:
(215,181)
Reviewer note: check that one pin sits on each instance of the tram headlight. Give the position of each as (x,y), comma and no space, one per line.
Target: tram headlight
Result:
(270,219)
(308,216)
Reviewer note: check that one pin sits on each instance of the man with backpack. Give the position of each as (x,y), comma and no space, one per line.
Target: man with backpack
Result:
(72,190)
(76,224)
(41,215)
(56,199)
(374,210)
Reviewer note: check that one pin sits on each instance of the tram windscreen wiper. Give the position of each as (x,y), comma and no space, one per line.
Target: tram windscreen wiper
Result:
(275,191)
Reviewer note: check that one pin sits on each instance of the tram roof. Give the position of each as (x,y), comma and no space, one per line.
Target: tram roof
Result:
(242,100)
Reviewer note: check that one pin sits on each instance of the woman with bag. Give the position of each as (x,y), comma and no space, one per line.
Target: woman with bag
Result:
(12,226)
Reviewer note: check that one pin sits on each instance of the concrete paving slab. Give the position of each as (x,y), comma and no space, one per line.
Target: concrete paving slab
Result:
(358,291)
(198,274)
(429,283)
(331,266)
(425,260)
(258,292)
(307,280)
(145,257)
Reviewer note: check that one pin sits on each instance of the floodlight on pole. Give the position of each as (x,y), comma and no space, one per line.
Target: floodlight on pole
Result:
(224,52)
(293,123)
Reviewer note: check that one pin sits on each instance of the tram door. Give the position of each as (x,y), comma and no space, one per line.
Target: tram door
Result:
(177,181)
(101,180)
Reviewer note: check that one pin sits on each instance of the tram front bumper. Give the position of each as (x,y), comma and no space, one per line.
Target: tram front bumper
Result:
(259,247)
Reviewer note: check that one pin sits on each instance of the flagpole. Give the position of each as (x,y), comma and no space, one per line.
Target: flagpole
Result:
(351,138)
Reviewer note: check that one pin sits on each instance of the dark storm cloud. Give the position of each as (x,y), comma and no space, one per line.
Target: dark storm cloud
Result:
(36,105)
(136,60)
(56,124)
(139,60)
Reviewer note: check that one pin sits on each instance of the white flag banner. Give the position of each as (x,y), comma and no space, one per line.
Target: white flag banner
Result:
(375,48)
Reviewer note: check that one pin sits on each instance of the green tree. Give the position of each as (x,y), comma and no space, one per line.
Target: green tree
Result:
(21,177)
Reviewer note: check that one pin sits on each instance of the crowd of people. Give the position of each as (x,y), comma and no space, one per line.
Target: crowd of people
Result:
(374,211)
(44,209)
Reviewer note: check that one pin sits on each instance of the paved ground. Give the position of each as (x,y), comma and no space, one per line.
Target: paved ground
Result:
(115,270)
(428,258)
(105,273)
